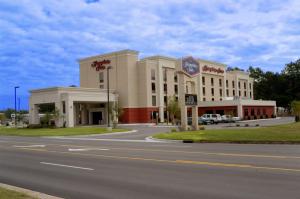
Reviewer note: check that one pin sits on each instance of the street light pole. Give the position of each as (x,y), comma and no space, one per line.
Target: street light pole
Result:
(108,115)
(16,105)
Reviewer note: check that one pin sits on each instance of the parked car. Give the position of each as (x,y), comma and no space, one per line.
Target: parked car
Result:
(236,119)
(212,118)
(227,119)
(200,121)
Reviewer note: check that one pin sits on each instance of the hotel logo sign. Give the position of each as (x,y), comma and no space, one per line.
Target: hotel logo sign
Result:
(212,69)
(100,65)
(191,100)
(190,66)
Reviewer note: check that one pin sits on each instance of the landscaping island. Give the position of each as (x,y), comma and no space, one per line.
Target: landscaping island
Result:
(288,133)
(57,131)
(9,194)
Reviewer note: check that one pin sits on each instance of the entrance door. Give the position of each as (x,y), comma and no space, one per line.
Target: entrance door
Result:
(97,118)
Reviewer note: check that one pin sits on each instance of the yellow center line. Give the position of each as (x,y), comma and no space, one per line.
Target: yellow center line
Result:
(198,152)
(178,151)
(189,162)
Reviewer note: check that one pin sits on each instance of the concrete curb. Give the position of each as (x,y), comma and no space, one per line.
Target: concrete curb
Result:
(91,135)
(150,138)
(28,192)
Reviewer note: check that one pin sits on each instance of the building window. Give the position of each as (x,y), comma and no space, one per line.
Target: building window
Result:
(152,74)
(176,89)
(153,100)
(226,83)
(212,99)
(245,85)
(239,93)
(239,84)
(203,80)
(175,77)
(204,99)
(212,91)
(176,99)
(203,90)
(252,112)
(220,82)
(64,107)
(250,95)
(221,99)
(246,112)
(221,92)
(250,85)
(165,100)
(212,81)
(165,75)
(153,88)
(101,86)
(165,88)
(233,84)
(245,93)
(227,92)
(101,77)
(233,92)
(186,89)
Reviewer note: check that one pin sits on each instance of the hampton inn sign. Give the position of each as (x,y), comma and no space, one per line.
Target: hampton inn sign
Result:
(142,86)
(100,65)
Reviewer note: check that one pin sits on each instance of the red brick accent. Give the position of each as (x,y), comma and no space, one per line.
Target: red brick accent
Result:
(259,112)
(227,110)
(138,115)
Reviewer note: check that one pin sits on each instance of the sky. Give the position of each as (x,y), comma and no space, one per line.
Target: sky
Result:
(41,40)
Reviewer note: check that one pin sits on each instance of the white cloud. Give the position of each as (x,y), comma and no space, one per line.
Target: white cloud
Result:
(49,36)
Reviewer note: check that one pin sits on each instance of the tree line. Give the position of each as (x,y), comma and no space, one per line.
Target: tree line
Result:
(283,87)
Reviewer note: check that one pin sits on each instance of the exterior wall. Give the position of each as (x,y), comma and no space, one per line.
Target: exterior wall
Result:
(138,115)
(228,110)
(258,112)
(131,79)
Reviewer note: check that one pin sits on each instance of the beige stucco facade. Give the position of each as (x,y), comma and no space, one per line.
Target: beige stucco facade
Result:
(142,86)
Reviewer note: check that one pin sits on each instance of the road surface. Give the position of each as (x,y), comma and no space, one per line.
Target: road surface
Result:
(130,167)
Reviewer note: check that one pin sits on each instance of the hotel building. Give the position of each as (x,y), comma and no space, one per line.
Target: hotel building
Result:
(142,87)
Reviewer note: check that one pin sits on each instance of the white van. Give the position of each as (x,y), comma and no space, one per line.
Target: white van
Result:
(213,118)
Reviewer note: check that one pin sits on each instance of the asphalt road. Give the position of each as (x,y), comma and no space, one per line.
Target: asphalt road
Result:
(105,167)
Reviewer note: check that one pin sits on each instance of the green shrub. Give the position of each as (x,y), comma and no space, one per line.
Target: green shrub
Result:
(201,128)
(173,130)
(34,126)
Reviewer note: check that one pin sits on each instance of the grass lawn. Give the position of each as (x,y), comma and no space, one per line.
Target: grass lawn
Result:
(56,131)
(8,194)
(289,133)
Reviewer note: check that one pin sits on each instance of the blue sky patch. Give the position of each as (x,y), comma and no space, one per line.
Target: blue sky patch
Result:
(41,41)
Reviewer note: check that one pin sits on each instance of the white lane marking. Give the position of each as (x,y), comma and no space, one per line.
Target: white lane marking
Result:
(171,145)
(68,166)
(30,146)
(110,140)
(88,149)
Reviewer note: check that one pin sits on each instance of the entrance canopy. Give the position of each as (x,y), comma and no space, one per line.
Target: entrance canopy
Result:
(75,105)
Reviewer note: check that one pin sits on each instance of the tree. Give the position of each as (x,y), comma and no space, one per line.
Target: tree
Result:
(295,105)
(234,69)
(173,108)
(2,117)
(291,73)
(115,112)
(8,113)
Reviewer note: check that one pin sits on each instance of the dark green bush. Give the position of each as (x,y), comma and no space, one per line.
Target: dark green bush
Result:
(34,126)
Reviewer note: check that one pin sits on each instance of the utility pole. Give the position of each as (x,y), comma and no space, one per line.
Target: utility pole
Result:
(16,105)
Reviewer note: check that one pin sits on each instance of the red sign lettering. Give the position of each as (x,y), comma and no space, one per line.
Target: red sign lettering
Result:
(100,65)
(212,69)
